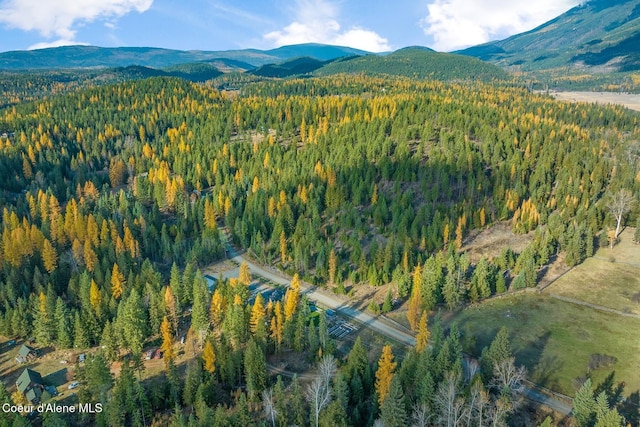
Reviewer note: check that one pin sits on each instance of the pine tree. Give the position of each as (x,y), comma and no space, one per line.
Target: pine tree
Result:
(333,262)
(385,373)
(255,368)
(392,411)
(63,330)
(584,405)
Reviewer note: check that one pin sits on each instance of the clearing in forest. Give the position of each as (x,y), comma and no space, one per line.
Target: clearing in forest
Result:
(610,279)
(558,342)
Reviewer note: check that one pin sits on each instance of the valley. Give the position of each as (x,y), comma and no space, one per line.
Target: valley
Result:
(326,236)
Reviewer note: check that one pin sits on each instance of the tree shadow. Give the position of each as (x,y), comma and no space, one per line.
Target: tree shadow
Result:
(630,409)
(542,366)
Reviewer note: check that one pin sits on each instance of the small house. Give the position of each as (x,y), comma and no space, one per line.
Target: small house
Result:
(30,385)
(26,354)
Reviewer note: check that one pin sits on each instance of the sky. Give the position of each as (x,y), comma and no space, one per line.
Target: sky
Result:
(375,26)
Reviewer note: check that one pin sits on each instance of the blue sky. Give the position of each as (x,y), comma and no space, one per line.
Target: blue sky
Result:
(444,25)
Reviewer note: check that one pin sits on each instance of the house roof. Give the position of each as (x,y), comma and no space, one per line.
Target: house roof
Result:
(33,394)
(26,378)
(24,351)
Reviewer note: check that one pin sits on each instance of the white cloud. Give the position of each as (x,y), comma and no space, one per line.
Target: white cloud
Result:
(316,22)
(56,43)
(455,24)
(59,18)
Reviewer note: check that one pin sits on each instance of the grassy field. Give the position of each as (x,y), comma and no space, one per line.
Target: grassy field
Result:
(555,340)
(610,279)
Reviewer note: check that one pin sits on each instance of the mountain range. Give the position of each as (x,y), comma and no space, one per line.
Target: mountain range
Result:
(600,34)
(600,37)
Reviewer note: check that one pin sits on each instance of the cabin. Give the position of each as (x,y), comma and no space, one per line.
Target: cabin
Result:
(30,385)
(26,354)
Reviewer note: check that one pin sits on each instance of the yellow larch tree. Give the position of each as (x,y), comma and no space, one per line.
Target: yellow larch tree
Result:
(49,256)
(415,301)
(209,215)
(217,308)
(258,314)
(277,325)
(171,307)
(291,297)
(244,275)
(95,297)
(423,333)
(283,248)
(90,257)
(209,357)
(117,282)
(385,372)
(167,341)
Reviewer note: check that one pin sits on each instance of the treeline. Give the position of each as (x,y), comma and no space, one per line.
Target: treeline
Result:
(346,180)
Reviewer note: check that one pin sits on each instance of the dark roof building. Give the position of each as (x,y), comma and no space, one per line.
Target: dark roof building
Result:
(30,385)
(25,354)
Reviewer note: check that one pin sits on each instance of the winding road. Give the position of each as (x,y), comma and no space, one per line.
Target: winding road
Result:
(380,324)
(385,326)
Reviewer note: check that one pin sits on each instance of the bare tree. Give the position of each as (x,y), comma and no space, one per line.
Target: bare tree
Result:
(451,407)
(420,415)
(269,408)
(508,378)
(319,391)
(471,368)
(619,204)
(478,403)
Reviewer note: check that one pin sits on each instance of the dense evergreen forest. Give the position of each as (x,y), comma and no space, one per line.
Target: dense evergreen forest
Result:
(115,197)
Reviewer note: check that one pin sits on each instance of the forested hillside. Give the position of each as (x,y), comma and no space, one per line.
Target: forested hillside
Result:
(113,199)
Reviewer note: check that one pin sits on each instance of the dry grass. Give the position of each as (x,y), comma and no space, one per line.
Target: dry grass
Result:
(490,242)
(631,101)
(555,340)
(610,279)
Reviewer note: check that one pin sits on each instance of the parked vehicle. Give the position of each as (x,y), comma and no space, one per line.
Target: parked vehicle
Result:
(73,385)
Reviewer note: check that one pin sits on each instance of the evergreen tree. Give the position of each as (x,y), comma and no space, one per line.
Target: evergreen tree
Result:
(393,412)
(255,368)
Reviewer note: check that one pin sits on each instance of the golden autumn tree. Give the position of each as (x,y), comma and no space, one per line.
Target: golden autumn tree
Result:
(217,308)
(258,315)
(209,215)
(90,257)
(283,247)
(49,256)
(167,341)
(291,297)
(333,264)
(423,333)
(209,357)
(95,297)
(385,372)
(277,325)
(244,275)
(415,301)
(117,282)
(171,307)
